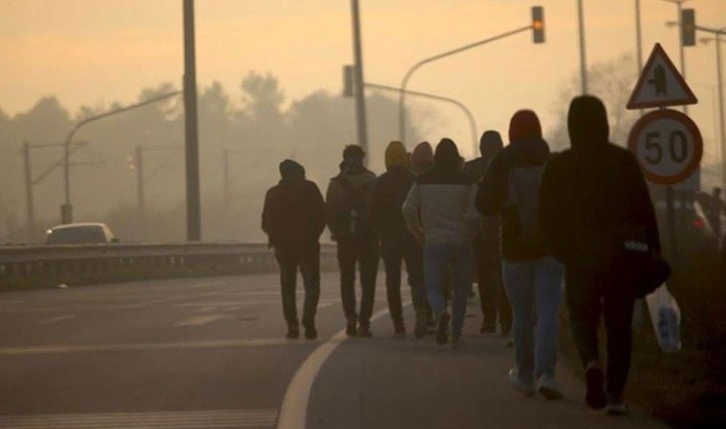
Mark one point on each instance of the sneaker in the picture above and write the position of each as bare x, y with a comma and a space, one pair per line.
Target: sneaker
293, 333
350, 328
616, 407
520, 386
594, 394
548, 387
487, 328
457, 342
442, 330
311, 333
364, 331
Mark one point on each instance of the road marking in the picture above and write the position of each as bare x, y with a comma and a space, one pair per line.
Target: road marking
294, 409
253, 418
52, 320
203, 320
207, 344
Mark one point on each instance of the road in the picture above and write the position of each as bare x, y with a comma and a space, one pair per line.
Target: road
211, 353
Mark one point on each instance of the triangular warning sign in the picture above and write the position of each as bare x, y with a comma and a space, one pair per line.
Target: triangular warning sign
660, 84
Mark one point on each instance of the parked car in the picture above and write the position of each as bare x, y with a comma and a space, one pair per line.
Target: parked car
80, 233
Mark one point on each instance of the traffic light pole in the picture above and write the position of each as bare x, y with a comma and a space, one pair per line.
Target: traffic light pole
194, 221
30, 222
360, 101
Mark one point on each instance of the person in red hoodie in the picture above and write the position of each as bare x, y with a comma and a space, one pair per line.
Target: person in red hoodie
293, 218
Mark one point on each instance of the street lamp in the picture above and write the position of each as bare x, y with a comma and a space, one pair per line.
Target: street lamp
537, 24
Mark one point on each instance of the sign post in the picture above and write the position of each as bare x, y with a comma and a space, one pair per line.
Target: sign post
667, 143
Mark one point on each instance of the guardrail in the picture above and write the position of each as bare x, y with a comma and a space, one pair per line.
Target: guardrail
44, 266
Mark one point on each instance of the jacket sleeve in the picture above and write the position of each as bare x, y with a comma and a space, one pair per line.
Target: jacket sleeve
640, 202
318, 209
267, 225
493, 192
472, 215
411, 209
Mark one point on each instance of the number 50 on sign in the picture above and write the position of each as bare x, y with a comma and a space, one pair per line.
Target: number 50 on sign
668, 146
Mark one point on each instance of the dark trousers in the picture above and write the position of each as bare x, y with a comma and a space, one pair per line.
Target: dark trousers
588, 297
394, 253
366, 255
492, 297
307, 257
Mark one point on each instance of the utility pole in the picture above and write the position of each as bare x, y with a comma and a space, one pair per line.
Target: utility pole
225, 160
30, 223
140, 190
194, 221
360, 101
583, 60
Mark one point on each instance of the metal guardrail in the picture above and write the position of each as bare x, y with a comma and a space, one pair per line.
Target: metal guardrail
42, 266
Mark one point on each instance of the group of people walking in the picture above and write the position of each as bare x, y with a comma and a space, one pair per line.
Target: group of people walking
519, 218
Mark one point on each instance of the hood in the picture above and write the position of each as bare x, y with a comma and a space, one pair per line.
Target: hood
524, 125
587, 122
396, 155
490, 144
529, 152
447, 154
291, 171
422, 154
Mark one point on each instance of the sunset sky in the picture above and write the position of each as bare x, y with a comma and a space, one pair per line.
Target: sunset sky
91, 52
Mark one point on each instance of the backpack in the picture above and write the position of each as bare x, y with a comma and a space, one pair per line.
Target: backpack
353, 222
524, 186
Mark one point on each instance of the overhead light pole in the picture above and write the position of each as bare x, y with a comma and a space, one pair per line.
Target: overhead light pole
360, 100
194, 216
583, 60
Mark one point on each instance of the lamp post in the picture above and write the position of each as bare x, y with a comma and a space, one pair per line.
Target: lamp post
412, 69
583, 60
360, 100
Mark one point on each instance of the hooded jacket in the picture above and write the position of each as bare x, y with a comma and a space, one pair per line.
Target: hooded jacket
353, 175
440, 204
389, 193
294, 211
592, 188
422, 157
527, 149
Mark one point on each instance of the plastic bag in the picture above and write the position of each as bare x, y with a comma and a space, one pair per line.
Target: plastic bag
666, 318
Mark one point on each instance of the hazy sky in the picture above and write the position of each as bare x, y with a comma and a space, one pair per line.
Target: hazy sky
99, 51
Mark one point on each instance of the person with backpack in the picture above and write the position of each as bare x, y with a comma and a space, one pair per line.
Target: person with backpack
532, 277
397, 243
439, 211
589, 193
293, 218
348, 216
487, 254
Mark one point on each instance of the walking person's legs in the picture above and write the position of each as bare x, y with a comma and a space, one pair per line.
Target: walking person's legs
310, 270
548, 292
519, 283
346, 263
436, 269
462, 278
368, 256
287, 260
487, 298
392, 253
618, 312
413, 256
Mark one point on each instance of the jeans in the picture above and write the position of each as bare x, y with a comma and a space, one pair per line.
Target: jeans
394, 253
307, 257
366, 254
438, 257
492, 296
588, 297
534, 288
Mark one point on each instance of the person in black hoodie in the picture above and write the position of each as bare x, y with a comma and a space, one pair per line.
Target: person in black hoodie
293, 217
348, 217
397, 243
588, 192
532, 277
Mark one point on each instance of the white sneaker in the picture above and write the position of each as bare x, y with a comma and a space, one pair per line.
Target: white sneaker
519, 385
548, 387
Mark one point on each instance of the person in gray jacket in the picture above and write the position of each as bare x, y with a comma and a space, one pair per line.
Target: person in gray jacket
439, 211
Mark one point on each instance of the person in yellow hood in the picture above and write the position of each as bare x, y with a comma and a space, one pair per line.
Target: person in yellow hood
397, 243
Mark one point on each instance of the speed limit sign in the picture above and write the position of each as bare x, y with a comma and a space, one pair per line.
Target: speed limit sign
668, 146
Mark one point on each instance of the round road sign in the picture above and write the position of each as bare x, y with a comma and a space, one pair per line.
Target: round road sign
668, 146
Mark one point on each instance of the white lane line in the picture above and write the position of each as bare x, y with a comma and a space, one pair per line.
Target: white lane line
52, 320
250, 418
203, 320
207, 344
294, 409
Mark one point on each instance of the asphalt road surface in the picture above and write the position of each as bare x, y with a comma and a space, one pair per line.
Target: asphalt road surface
211, 353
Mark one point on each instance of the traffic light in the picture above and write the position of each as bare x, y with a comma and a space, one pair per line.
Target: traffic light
538, 25
688, 27
348, 81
